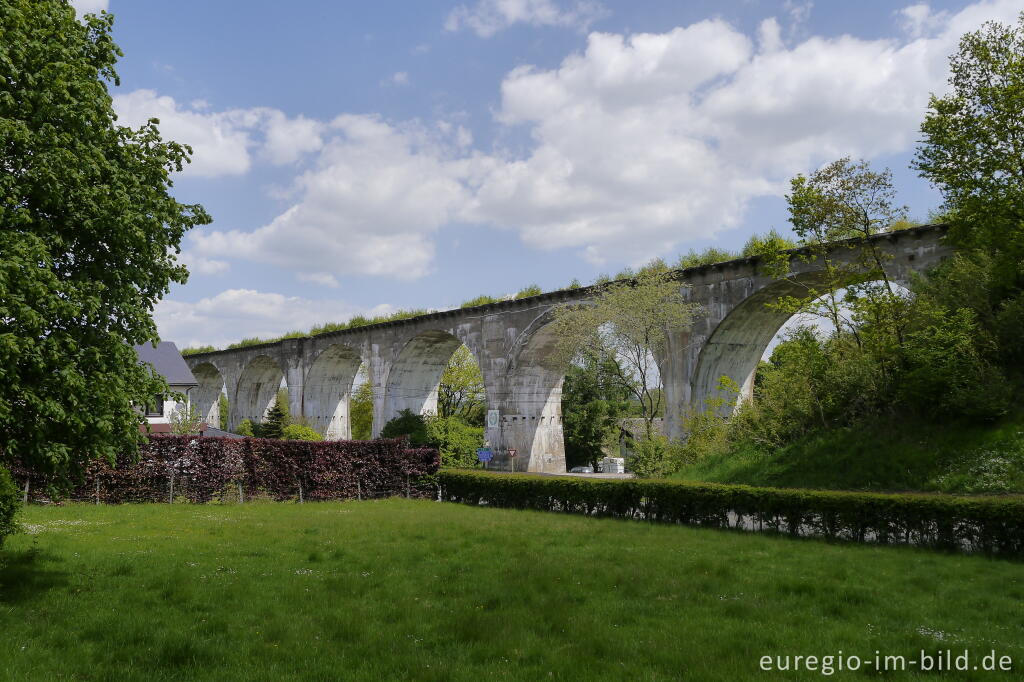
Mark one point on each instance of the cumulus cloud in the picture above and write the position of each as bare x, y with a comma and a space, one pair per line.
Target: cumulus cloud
223, 142
202, 265
639, 144
488, 17
645, 141
90, 6
242, 313
370, 204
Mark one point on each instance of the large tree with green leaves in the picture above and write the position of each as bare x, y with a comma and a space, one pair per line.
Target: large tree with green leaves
88, 236
845, 200
593, 401
460, 392
973, 146
628, 322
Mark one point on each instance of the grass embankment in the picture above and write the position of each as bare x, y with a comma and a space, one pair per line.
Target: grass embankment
886, 455
418, 590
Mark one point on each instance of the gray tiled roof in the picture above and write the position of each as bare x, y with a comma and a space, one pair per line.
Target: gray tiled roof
210, 431
167, 360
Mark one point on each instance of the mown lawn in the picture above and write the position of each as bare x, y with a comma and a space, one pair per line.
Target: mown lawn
418, 590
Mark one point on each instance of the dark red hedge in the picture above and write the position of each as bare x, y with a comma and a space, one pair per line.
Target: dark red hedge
199, 468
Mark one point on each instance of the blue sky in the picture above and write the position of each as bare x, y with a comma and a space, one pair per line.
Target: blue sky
365, 157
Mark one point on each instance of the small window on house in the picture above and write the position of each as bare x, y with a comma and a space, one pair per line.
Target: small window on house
156, 409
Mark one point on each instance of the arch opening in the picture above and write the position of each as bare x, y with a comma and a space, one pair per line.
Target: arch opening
749, 333
328, 390
361, 405
257, 389
415, 376
206, 398
437, 375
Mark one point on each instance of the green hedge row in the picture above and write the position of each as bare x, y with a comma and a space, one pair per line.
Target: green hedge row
993, 525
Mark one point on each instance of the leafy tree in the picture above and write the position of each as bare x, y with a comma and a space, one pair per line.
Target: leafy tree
592, 404
846, 200
461, 390
9, 503
973, 146
455, 440
185, 421
361, 410
245, 428
90, 233
628, 322
223, 411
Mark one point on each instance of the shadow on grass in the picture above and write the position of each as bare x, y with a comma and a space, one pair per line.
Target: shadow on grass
25, 575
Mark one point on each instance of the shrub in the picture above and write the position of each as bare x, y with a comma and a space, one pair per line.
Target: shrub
198, 469
456, 440
656, 456
300, 432
245, 428
412, 426
8, 504
992, 525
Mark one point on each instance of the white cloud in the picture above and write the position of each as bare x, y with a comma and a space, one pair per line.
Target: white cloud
919, 19
90, 6
369, 206
241, 313
288, 139
488, 17
640, 144
324, 279
646, 141
202, 265
222, 142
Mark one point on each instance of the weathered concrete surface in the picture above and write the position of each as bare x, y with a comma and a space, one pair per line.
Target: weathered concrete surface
513, 343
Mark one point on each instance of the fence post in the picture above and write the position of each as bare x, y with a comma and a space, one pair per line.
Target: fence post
241, 499
97, 488
359, 490
407, 491
170, 495
24, 499
300, 492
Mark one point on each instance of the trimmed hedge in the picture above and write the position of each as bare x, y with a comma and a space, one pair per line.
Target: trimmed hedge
8, 505
994, 525
199, 469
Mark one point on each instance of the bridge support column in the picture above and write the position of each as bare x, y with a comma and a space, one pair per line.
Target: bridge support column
530, 422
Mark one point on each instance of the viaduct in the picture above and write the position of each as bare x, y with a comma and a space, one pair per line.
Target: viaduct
513, 341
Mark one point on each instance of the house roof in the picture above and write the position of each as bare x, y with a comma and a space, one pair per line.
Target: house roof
210, 431
167, 360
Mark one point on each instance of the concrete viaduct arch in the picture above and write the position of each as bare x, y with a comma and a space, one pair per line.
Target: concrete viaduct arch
512, 342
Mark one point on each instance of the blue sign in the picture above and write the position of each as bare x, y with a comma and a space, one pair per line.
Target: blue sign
484, 454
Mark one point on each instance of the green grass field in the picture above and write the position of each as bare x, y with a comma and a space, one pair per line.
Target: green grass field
416, 590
